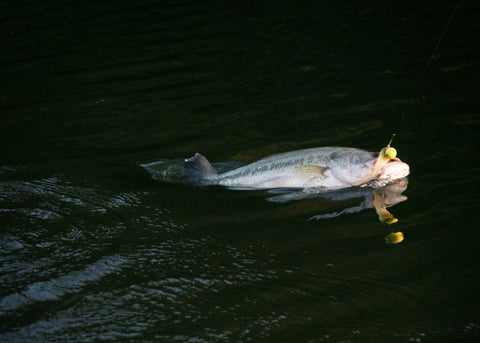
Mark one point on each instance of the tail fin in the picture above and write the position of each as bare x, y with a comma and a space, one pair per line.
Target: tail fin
197, 169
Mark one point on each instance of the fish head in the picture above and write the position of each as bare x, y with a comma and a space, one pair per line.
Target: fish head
353, 166
387, 167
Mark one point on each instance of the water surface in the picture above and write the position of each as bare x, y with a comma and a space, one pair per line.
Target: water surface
94, 249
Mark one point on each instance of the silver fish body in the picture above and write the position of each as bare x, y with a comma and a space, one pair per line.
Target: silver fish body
329, 167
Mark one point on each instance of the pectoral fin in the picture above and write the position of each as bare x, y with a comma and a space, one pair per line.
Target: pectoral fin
311, 171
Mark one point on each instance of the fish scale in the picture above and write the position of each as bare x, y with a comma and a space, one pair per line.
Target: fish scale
328, 167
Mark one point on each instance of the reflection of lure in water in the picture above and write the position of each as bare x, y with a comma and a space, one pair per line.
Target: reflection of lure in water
328, 168
394, 238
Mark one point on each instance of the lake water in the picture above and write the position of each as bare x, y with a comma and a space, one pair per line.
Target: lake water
92, 248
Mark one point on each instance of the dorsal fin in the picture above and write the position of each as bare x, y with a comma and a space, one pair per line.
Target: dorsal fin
197, 168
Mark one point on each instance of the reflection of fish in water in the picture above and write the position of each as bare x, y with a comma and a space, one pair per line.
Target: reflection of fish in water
378, 198
328, 168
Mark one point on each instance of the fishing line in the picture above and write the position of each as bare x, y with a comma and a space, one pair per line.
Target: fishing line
435, 50
439, 41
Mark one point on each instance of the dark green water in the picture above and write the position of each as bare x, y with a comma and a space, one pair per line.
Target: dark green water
93, 249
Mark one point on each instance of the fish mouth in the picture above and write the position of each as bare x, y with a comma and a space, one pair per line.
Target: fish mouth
395, 169
390, 169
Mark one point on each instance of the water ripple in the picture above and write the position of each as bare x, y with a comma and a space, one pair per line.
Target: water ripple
59, 198
55, 289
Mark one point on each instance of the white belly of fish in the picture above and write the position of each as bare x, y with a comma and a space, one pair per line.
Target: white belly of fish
287, 178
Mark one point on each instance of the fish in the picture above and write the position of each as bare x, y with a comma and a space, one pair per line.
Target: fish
326, 168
